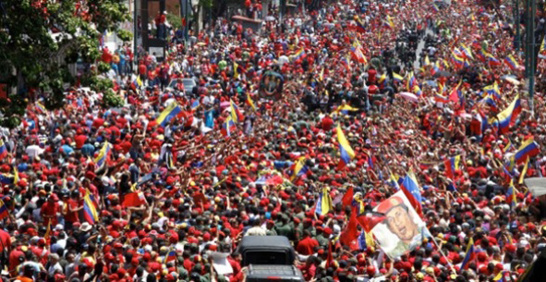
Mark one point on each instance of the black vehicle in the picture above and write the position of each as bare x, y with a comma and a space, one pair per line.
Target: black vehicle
270, 250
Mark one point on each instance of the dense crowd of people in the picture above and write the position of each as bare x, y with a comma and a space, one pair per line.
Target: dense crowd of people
148, 191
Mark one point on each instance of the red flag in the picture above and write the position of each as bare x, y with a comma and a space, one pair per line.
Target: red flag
330, 257
350, 233
369, 221
183, 20
347, 199
134, 199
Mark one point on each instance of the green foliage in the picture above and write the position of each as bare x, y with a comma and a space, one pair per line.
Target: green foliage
174, 20
102, 84
124, 35
103, 67
40, 38
111, 99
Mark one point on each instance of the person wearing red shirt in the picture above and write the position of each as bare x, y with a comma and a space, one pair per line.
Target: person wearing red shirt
72, 209
80, 139
307, 245
49, 210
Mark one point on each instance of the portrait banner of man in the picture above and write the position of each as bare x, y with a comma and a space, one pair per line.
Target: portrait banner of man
401, 229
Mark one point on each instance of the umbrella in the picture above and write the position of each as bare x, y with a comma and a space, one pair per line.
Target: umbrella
409, 96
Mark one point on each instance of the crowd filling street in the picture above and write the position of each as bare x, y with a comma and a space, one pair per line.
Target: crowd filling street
388, 140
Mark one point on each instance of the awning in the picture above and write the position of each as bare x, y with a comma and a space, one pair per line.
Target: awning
537, 185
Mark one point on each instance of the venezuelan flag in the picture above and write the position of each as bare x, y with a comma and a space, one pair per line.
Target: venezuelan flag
345, 150
359, 25
41, 108
235, 114
493, 89
482, 55
466, 51
195, 104
172, 110
435, 68
324, 202
458, 61
469, 253
356, 49
523, 172
3, 149
299, 54
299, 168
382, 81
89, 208
509, 115
511, 194
528, 149
227, 127
412, 81
171, 255
388, 23
344, 109
104, 154
250, 102
492, 61
410, 186
396, 77
511, 62
138, 81
452, 164
435, 7
508, 146
427, 61
4, 212
346, 62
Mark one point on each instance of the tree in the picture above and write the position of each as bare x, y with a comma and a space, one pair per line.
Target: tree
40, 38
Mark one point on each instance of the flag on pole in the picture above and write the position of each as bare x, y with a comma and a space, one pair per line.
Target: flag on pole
345, 150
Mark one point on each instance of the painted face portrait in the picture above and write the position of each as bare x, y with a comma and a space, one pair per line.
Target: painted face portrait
400, 223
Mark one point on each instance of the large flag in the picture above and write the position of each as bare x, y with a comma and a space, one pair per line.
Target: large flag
102, 157
402, 229
345, 150
4, 212
509, 115
171, 111
133, 199
528, 149
90, 213
410, 187
348, 196
324, 202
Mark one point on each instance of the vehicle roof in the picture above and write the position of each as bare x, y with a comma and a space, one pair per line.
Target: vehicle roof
265, 241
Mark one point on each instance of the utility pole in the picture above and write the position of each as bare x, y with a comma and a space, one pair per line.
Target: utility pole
515, 8
530, 10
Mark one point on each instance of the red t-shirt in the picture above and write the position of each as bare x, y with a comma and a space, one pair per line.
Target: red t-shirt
71, 216
80, 140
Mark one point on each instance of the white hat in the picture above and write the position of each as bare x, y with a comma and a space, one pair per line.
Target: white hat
85, 227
